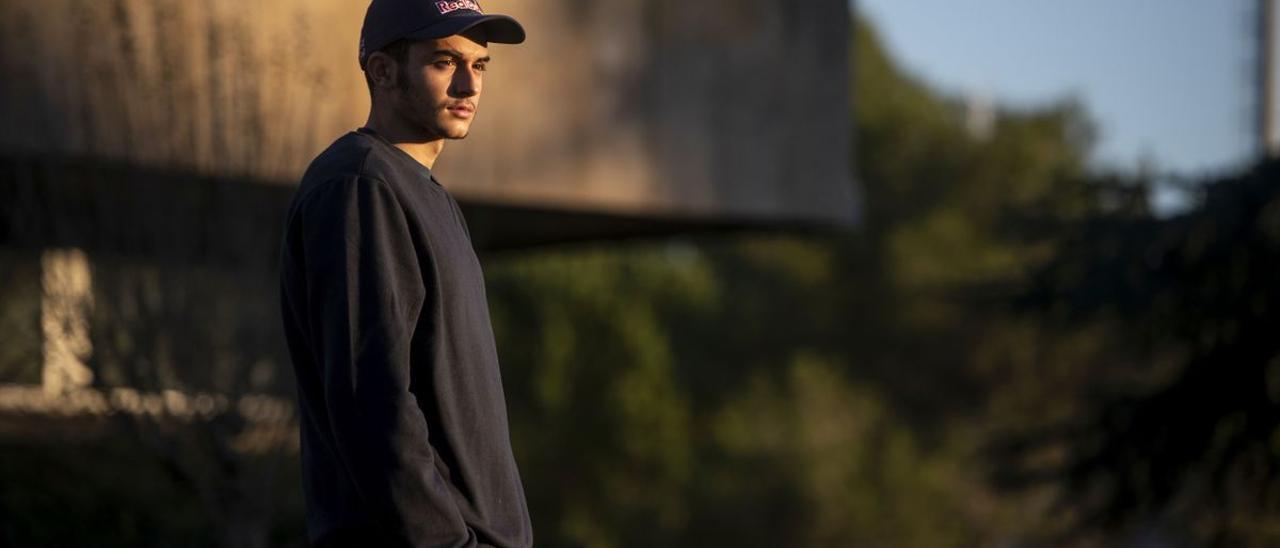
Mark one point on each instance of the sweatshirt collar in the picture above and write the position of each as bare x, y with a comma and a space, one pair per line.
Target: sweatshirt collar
400, 153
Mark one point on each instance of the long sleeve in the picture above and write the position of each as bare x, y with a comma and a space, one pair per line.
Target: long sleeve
364, 293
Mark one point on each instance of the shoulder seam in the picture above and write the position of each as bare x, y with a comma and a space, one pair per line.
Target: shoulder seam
341, 176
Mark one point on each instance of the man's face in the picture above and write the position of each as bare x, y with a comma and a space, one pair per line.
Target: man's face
438, 86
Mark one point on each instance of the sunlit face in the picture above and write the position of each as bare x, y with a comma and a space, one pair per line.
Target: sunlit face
438, 89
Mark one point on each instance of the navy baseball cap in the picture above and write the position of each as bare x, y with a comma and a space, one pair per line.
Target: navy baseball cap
391, 20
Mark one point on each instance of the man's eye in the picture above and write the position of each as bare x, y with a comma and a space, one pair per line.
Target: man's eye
444, 63
481, 67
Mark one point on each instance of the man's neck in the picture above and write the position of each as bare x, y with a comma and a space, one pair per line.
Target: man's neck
424, 149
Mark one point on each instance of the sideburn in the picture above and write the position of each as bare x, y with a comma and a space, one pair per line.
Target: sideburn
402, 74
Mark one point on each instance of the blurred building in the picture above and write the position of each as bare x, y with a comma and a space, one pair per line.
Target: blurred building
148, 149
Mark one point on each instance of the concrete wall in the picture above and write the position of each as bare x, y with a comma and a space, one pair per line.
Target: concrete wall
718, 109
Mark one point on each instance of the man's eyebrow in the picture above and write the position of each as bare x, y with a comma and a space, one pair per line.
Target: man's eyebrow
456, 55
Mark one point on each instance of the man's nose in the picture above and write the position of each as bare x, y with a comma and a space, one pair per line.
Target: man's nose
466, 82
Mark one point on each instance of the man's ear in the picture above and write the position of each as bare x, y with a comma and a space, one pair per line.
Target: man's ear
382, 70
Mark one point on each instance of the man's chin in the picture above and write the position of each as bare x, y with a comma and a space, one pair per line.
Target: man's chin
454, 129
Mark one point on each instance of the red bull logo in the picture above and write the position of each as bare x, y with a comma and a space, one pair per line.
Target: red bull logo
448, 6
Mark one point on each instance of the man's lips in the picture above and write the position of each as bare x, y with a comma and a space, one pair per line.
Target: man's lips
462, 110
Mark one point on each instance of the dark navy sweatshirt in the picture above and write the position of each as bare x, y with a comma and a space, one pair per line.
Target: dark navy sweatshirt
403, 421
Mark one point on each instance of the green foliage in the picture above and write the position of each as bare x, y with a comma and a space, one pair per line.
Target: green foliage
1187, 436
658, 411
602, 427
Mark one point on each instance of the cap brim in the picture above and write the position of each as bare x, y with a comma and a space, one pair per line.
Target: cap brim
500, 29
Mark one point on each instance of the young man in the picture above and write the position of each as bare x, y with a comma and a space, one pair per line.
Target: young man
404, 425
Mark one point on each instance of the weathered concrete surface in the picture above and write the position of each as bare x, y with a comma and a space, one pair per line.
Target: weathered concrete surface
711, 110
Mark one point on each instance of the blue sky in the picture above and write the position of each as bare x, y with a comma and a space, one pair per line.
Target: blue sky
1166, 80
